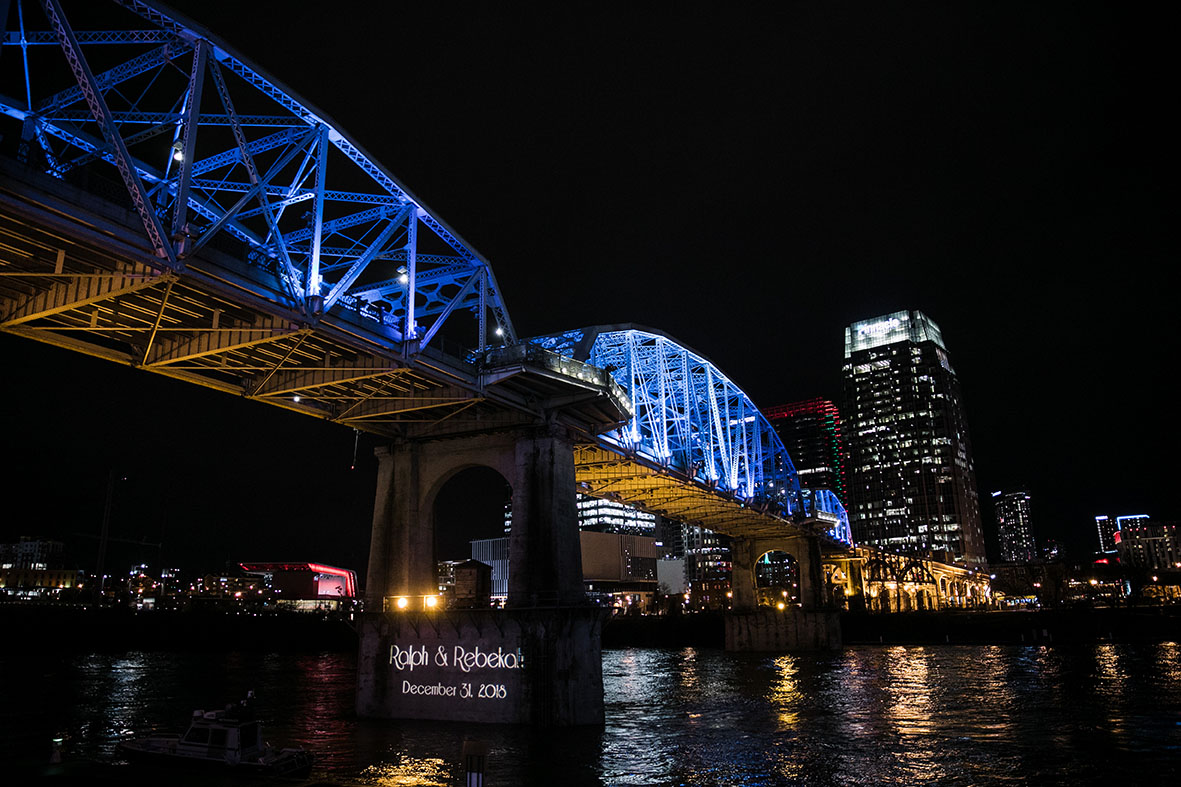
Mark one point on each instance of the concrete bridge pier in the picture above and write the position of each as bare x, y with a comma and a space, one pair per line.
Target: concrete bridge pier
814, 625
538, 661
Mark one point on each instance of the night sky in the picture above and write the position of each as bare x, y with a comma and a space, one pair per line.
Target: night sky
749, 182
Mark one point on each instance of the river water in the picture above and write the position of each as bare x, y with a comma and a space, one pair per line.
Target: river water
945, 715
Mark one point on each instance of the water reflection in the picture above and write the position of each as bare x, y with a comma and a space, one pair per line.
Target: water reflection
889, 716
785, 693
410, 772
910, 688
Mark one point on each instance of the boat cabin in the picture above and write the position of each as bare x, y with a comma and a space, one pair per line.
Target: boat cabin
222, 735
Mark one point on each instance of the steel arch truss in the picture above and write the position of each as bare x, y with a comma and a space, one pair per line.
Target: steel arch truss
213, 152
693, 420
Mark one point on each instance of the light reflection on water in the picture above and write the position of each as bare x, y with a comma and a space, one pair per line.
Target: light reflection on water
947, 715
410, 772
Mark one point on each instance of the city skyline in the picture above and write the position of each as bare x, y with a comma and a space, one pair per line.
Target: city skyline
750, 185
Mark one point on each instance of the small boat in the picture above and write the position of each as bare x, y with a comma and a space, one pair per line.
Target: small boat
230, 738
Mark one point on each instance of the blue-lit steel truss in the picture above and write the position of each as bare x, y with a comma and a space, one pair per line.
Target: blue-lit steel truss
691, 418
216, 159
213, 152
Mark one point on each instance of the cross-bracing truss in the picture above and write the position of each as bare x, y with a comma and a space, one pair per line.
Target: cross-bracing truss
691, 418
213, 152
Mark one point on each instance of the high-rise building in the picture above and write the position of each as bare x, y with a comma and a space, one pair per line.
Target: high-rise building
1129, 520
707, 555
1013, 526
1106, 525
1148, 545
811, 433
1109, 528
912, 481
31, 553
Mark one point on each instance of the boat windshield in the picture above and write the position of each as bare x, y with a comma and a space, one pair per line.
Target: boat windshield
197, 735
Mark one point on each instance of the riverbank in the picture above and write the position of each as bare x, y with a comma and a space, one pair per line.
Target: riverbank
83, 629
1015, 627
117, 629
956, 627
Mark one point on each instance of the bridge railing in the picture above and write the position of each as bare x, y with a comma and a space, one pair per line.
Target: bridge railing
539, 357
825, 506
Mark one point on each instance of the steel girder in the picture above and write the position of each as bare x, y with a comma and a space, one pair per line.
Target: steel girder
692, 420
636, 480
78, 282
208, 147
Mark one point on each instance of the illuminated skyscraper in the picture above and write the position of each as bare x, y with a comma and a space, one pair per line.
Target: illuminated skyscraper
1106, 525
912, 482
811, 433
1013, 526
1109, 528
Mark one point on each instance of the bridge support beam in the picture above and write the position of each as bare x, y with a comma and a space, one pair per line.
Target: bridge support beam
539, 660
814, 625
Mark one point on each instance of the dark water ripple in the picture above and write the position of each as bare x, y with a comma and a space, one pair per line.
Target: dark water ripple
945, 715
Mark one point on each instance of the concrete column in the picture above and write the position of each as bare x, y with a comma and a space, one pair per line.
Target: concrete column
545, 552
743, 554
401, 551
806, 551
379, 536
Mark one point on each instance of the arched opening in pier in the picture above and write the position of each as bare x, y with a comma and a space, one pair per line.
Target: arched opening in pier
777, 579
472, 505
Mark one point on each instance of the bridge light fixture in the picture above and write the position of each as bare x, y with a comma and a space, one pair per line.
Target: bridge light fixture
295, 399
402, 602
431, 601
178, 151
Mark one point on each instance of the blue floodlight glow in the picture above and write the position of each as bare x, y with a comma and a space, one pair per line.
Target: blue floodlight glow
691, 418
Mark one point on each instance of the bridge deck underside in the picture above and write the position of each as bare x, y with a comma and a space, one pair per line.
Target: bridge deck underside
601, 472
82, 280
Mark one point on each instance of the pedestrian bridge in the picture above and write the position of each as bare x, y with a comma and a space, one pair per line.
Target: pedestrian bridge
168, 206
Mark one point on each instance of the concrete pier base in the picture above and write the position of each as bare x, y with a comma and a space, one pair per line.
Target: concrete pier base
517, 666
783, 630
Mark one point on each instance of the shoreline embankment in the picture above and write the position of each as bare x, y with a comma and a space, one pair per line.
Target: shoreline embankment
36, 626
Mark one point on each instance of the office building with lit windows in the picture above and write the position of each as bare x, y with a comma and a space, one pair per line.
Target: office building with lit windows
707, 555
599, 515
1013, 526
1148, 545
1107, 526
912, 481
811, 433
